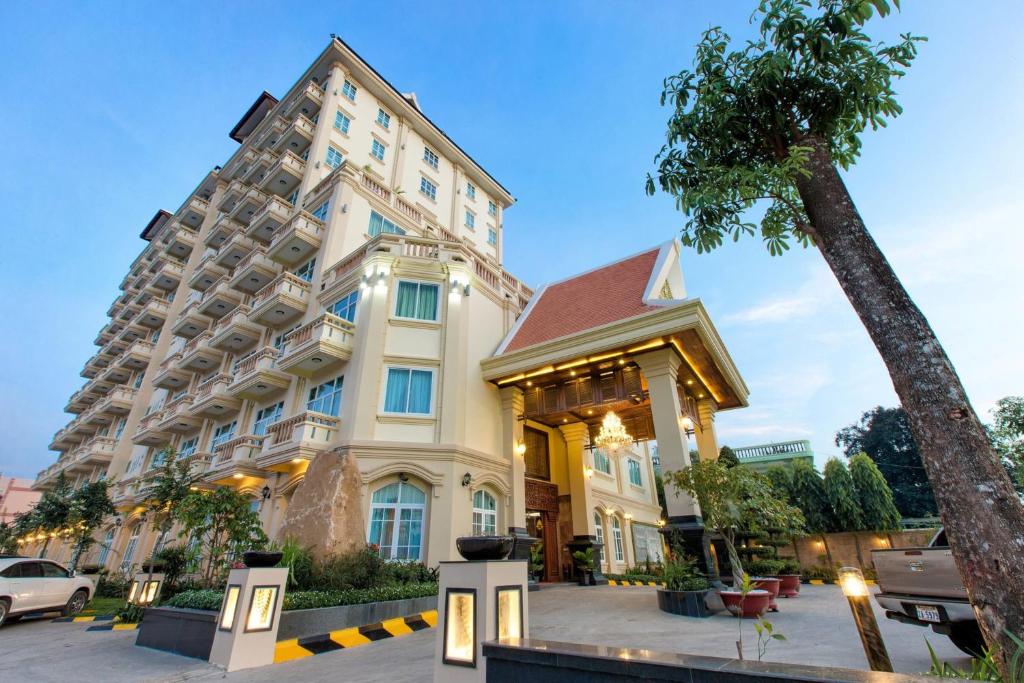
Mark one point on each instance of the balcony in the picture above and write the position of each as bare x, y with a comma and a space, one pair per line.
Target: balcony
269, 218
281, 301
240, 165
219, 300
79, 402
190, 321
232, 193
149, 432
137, 356
181, 242
154, 313
248, 205
296, 240
193, 213
257, 376
118, 402
133, 331
221, 231
319, 344
115, 375
97, 388
236, 459
212, 398
129, 310
99, 450
299, 437
169, 274
255, 271
234, 333
285, 175
207, 272
199, 356
80, 429
171, 375
107, 333
296, 137
255, 174
234, 250
177, 416
95, 418
308, 102
63, 440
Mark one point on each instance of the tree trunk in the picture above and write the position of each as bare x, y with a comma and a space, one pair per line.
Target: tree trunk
983, 517
828, 552
860, 555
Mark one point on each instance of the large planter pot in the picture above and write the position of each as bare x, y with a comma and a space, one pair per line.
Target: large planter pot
683, 603
484, 547
261, 558
789, 585
187, 632
752, 605
770, 584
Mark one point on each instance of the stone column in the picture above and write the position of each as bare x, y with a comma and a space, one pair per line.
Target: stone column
707, 439
454, 367
512, 408
316, 169
576, 435
660, 369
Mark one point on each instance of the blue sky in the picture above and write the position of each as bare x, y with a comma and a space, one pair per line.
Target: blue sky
112, 110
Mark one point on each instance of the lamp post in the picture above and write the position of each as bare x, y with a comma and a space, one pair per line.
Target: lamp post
856, 592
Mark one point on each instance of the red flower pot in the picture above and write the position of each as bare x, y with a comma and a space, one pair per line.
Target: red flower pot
753, 605
770, 584
789, 585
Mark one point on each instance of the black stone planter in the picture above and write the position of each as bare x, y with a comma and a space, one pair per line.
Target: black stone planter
484, 547
683, 603
260, 558
586, 578
187, 632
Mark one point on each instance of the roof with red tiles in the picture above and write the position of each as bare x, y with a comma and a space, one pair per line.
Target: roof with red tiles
595, 298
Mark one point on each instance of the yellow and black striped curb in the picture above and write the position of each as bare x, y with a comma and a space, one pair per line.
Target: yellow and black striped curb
113, 626
618, 582
64, 620
297, 648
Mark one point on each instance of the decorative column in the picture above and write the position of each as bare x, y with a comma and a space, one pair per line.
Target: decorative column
322, 133
661, 369
576, 435
707, 439
514, 450
454, 366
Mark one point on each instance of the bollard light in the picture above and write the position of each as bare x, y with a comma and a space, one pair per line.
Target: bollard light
856, 591
460, 627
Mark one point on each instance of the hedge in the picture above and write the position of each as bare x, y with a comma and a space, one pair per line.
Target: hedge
635, 577
211, 599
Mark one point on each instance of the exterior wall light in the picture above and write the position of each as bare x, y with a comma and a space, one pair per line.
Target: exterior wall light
226, 622
460, 627
687, 424
509, 612
520, 448
857, 594
466, 479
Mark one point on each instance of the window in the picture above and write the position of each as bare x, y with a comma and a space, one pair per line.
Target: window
341, 122
52, 571
470, 191
492, 237
334, 157
155, 337
470, 220
416, 300
379, 224
428, 188
408, 391
326, 398
492, 209
431, 158
119, 430
306, 270
320, 212
129, 550
377, 150
223, 434
345, 307
617, 538
138, 379
634, 472
108, 540
396, 521
601, 461
279, 339
538, 465
158, 460
188, 448
267, 417
599, 533
349, 90
383, 118
485, 514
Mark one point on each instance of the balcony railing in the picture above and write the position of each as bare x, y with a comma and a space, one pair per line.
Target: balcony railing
307, 427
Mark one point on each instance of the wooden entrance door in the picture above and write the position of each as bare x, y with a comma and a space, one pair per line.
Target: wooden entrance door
542, 506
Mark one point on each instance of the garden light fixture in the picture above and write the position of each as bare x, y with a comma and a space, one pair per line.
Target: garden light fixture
857, 594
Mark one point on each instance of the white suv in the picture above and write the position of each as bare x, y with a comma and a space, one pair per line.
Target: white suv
34, 585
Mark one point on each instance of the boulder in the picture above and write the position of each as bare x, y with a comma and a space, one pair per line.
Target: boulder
325, 512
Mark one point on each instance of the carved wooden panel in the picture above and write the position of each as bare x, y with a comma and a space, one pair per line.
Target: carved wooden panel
541, 496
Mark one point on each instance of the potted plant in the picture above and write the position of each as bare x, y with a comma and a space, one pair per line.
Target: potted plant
585, 566
765, 577
789, 578
685, 591
537, 561
746, 601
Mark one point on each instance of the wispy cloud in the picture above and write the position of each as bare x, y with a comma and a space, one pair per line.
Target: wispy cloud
818, 291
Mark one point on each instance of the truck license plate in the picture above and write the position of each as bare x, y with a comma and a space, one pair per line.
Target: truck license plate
928, 613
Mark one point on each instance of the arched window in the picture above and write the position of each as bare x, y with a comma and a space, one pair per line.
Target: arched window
129, 550
599, 532
108, 540
396, 521
485, 514
617, 538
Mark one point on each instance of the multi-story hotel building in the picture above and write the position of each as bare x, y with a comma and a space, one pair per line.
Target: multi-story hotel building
334, 295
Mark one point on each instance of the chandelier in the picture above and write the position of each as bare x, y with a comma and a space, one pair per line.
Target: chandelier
613, 435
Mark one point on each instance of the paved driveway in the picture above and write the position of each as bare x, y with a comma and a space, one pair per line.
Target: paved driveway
818, 627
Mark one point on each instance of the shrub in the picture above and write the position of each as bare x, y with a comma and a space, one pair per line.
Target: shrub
790, 566
211, 599
820, 572
299, 561
130, 614
631, 576
113, 586
694, 583
680, 571
765, 567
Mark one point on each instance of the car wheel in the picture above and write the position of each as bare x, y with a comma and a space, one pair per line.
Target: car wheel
76, 604
4, 607
967, 636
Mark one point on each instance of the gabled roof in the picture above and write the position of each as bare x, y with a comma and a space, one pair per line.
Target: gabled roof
617, 291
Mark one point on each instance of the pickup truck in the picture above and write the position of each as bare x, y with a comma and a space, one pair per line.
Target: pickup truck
922, 586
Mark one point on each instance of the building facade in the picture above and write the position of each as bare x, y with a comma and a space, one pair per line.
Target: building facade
16, 496
336, 290
776, 454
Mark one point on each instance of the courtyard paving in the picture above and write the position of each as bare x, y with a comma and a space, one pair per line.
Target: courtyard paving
817, 625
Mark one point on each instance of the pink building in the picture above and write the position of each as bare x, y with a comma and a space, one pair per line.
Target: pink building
16, 496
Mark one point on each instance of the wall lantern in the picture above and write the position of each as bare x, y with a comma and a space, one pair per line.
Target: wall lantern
520, 448
856, 591
466, 479
460, 627
687, 424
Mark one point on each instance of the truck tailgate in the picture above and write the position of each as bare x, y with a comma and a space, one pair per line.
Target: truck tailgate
919, 571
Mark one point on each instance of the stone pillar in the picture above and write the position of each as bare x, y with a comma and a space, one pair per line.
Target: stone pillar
315, 164
454, 367
576, 435
513, 448
660, 369
707, 439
